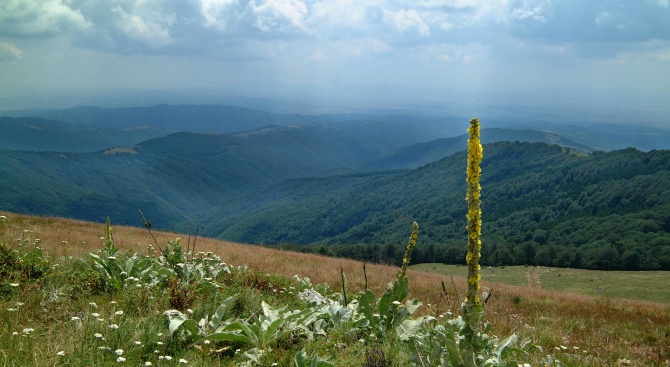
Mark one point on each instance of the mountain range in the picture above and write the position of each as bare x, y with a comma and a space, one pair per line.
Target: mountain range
341, 180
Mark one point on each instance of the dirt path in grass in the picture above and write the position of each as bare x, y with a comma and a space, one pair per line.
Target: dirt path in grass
533, 278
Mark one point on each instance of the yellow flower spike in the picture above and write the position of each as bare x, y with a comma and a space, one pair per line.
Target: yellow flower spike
473, 171
408, 250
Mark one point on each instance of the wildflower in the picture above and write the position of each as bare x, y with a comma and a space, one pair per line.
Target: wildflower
113, 302
75, 318
118, 313
95, 314
28, 330
168, 358
120, 359
147, 363
11, 309
474, 214
159, 343
113, 326
159, 334
101, 320
14, 285
19, 304
206, 341
137, 342
61, 353
15, 333
182, 360
98, 335
92, 304
408, 250
119, 352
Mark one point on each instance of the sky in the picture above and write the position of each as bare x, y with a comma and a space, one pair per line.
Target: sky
605, 53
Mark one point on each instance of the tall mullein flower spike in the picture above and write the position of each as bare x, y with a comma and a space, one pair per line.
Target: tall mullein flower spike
409, 249
109, 239
474, 216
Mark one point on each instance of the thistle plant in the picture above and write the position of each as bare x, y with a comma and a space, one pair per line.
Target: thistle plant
474, 215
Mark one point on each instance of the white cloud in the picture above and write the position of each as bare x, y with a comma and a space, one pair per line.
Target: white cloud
279, 15
661, 3
9, 52
444, 4
406, 19
24, 17
134, 26
216, 12
537, 10
340, 17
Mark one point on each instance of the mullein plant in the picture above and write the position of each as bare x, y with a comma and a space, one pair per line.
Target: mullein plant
474, 216
465, 341
408, 250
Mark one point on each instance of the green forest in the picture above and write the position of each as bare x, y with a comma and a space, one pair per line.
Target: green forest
543, 205
349, 189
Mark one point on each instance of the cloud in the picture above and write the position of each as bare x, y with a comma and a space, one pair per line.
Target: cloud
9, 52
40, 17
661, 3
136, 27
217, 12
403, 20
279, 15
535, 10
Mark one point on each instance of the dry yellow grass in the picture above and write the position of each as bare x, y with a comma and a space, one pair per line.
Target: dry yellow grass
587, 331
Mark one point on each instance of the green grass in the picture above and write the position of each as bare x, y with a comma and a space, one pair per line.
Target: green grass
648, 286
49, 296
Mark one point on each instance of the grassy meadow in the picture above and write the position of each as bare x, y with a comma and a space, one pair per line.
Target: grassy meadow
65, 318
631, 285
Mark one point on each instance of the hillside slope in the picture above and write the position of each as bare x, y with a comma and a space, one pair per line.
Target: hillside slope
40, 135
183, 175
542, 204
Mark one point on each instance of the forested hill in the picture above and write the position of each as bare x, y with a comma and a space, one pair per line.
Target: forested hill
542, 204
415, 155
40, 135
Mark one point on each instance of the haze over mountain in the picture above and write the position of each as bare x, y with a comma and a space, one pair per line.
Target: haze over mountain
37, 134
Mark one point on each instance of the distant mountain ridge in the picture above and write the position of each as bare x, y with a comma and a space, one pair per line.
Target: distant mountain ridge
418, 154
335, 181
193, 118
41, 135
418, 128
